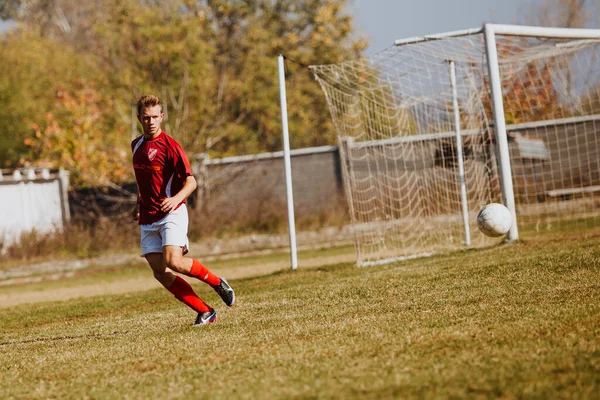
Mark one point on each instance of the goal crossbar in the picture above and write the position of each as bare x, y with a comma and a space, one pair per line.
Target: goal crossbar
513, 30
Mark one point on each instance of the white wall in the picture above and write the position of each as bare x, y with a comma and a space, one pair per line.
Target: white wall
30, 204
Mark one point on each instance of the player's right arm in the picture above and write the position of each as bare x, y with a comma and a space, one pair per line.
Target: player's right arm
135, 213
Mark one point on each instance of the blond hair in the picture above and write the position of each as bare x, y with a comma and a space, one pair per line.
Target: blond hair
148, 100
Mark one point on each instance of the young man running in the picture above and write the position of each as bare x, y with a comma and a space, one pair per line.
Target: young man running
164, 179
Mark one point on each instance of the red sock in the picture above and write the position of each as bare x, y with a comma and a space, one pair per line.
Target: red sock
201, 272
184, 293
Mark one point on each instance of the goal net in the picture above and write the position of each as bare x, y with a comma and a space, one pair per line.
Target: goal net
419, 143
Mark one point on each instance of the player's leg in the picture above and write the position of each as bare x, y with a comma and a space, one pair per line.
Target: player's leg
175, 260
173, 231
180, 289
151, 243
161, 273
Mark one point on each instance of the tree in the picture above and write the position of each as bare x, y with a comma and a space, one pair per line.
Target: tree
243, 116
528, 92
72, 136
212, 62
31, 70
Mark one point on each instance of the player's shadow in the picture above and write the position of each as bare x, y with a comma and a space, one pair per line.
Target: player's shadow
64, 337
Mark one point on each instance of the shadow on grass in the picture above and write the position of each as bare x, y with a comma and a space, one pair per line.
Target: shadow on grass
87, 336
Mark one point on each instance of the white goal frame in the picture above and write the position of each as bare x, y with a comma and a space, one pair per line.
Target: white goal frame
490, 31
494, 83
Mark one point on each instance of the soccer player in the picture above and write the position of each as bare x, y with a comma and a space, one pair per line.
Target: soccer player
164, 179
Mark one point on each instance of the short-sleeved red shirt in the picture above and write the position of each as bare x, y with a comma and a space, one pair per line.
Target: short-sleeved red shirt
161, 168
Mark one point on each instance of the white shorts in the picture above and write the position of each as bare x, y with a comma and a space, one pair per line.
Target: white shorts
169, 231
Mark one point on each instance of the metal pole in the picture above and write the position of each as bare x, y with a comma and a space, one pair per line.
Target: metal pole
459, 156
500, 128
287, 163
546, 32
514, 30
440, 36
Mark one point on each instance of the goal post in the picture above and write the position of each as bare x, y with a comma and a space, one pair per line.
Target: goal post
500, 127
459, 155
287, 164
435, 127
490, 32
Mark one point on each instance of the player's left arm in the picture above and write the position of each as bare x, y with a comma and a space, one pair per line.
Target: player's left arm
170, 203
182, 169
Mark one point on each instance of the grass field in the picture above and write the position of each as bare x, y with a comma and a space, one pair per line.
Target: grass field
511, 321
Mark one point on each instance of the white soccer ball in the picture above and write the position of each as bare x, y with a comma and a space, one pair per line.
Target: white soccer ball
494, 220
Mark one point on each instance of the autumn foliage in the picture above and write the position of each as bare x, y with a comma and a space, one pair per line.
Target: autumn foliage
73, 70
528, 91
71, 134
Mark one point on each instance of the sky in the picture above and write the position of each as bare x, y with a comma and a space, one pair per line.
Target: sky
383, 21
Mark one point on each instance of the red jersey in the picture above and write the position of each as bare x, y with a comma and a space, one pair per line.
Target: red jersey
161, 168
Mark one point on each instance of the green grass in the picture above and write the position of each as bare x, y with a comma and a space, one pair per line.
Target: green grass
512, 321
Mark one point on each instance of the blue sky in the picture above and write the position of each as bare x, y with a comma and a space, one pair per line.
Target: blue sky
383, 21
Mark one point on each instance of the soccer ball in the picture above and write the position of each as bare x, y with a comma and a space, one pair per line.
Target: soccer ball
494, 220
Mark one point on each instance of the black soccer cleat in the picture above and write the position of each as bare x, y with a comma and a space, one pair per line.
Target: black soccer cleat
226, 292
205, 318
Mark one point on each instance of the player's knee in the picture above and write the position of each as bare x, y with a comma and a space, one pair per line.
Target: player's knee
174, 264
